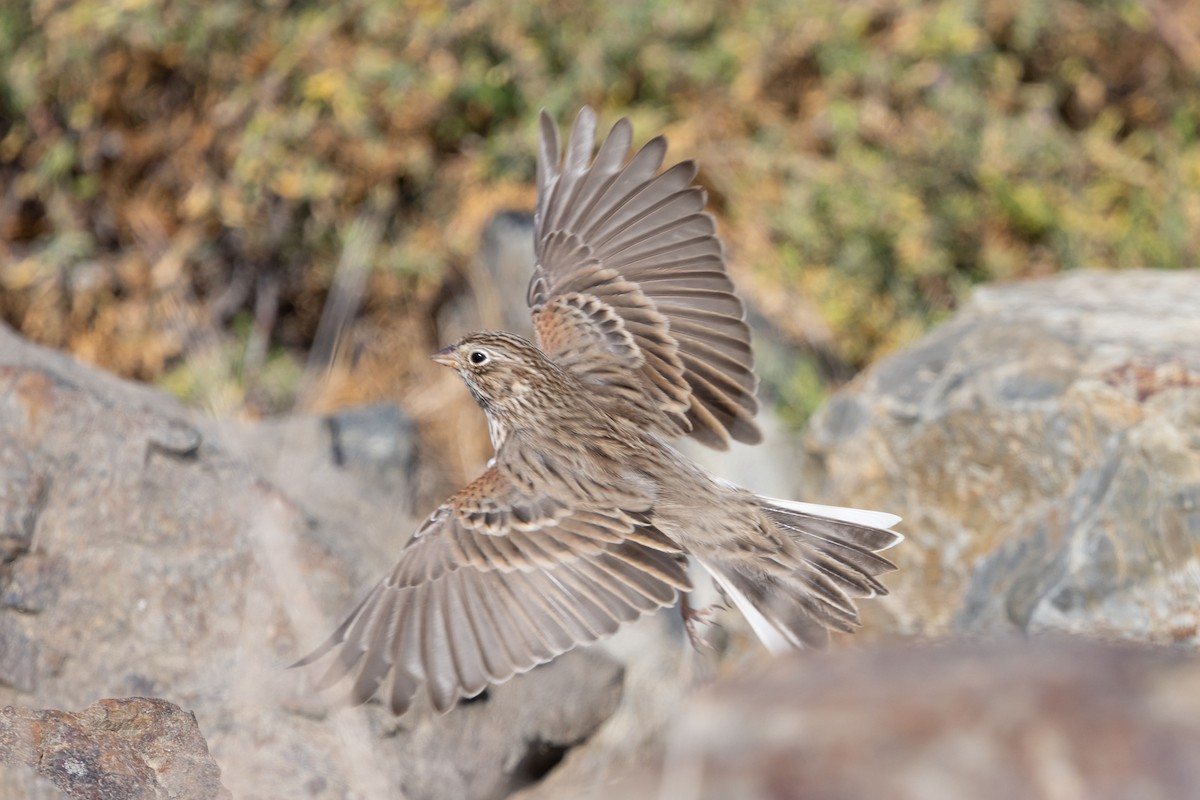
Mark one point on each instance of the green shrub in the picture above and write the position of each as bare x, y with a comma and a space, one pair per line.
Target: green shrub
874, 159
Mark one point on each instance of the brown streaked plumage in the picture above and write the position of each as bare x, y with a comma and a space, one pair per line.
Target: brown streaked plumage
583, 518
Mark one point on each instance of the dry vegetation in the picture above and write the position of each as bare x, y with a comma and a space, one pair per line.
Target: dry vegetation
179, 180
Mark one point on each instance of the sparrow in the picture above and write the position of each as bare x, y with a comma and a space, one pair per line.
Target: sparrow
585, 517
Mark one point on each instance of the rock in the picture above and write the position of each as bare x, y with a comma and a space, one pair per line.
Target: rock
131, 749
148, 550
1044, 450
493, 294
512, 739
20, 502
1043, 447
373, 441
1060, 720
354, 469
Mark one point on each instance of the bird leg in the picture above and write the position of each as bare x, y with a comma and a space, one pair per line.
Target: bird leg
693, 618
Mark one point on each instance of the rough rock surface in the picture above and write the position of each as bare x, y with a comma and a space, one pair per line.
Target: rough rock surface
1042, 720
133, 749
1044, 450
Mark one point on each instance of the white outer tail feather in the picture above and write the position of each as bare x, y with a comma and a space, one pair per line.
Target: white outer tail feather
774, 637
857, 516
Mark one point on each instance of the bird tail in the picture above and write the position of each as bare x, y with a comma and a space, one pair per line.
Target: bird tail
793, 600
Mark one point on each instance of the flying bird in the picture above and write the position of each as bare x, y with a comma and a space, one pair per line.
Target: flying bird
585, 516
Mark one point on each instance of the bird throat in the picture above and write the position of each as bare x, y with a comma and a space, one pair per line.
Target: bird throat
497, 430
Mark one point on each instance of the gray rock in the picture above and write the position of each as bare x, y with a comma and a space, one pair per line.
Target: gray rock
1044, 449
1061, 720
148, 550
492, 291
373, 441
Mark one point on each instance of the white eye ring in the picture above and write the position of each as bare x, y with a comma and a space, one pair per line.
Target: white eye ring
479, 358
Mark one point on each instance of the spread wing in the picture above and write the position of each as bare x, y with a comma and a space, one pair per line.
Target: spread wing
497, 580
630, 277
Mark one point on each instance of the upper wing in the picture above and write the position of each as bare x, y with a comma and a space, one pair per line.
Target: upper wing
637, 248
497, 580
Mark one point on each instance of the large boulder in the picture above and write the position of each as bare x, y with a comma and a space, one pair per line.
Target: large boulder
1044, 450
149, 551
1058, 720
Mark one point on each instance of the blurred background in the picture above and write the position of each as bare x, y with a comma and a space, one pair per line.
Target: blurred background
183, 185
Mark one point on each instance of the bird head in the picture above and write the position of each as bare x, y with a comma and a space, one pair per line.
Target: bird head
504, 372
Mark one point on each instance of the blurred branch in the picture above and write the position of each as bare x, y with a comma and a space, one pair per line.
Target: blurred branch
344, 300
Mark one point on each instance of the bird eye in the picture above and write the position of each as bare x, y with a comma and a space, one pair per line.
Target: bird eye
478, 357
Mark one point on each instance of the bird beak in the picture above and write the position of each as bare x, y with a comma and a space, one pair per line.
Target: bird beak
445, 357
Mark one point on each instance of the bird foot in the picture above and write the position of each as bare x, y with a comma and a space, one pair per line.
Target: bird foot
693, 621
